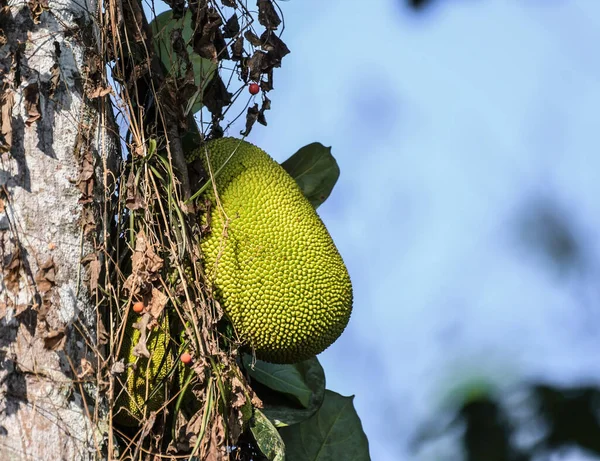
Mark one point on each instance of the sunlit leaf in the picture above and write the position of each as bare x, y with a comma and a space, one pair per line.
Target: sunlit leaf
267, 438
315, 171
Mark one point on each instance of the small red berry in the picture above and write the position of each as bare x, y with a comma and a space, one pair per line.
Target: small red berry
186, 358
254, 88
138, 307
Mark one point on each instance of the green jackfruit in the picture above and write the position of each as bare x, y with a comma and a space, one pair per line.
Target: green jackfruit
146, 378
275, 268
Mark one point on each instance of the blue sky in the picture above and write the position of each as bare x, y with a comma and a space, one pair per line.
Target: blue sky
445, 125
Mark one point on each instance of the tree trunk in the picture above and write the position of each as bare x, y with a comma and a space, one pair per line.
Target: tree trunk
53, 169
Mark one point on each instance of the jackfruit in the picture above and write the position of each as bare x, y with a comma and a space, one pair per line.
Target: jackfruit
276, 270
146, 379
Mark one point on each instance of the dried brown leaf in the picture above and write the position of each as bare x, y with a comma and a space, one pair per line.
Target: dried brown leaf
87, 220
267, 15
85, 180
102, 334
256, 401
37, 7
7, 100
141, 349
252, 38
133, 199
146, 266
237, 49
94, 269
236, 417
214, 449
32, 103
251, 117
100, 92
275, 47
87, 369
45, 277
216, 96
12, 271
232, 27
266, 105
157, 302
118, 367
55, 340
54, 80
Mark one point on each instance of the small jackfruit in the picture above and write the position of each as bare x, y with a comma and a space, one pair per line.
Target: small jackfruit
146, 379
276, 270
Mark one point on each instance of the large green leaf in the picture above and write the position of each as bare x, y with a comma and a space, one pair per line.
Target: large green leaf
267, 438
204, 69
288, 385
334, 433
287, 379
315, 171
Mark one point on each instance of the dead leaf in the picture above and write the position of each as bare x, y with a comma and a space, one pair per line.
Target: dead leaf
267, 16
37, 7
12, 271
102, 334
252, 38
93, 266
100, 92
146, 266
87, 369
266, 105
87, 220
133, 199
256, 401
214, 449
118, 367
141, 349
232, 27
55, 340
32, 103
275, 48
216, 96
237, 49
54, 80
85, 180
236, 417
157, 303
45, 277
251, 117
7, 100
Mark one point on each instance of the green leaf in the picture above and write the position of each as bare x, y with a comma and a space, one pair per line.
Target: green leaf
315, 171
204, 69
267, 438
302, 382
333, 433
287, 379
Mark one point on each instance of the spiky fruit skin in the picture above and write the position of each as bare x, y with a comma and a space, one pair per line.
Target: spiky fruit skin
145, 383
277, 272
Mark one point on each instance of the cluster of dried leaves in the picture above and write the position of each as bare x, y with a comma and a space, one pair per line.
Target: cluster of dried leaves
154, 256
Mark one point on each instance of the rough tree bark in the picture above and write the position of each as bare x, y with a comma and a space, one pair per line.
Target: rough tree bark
53, 167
